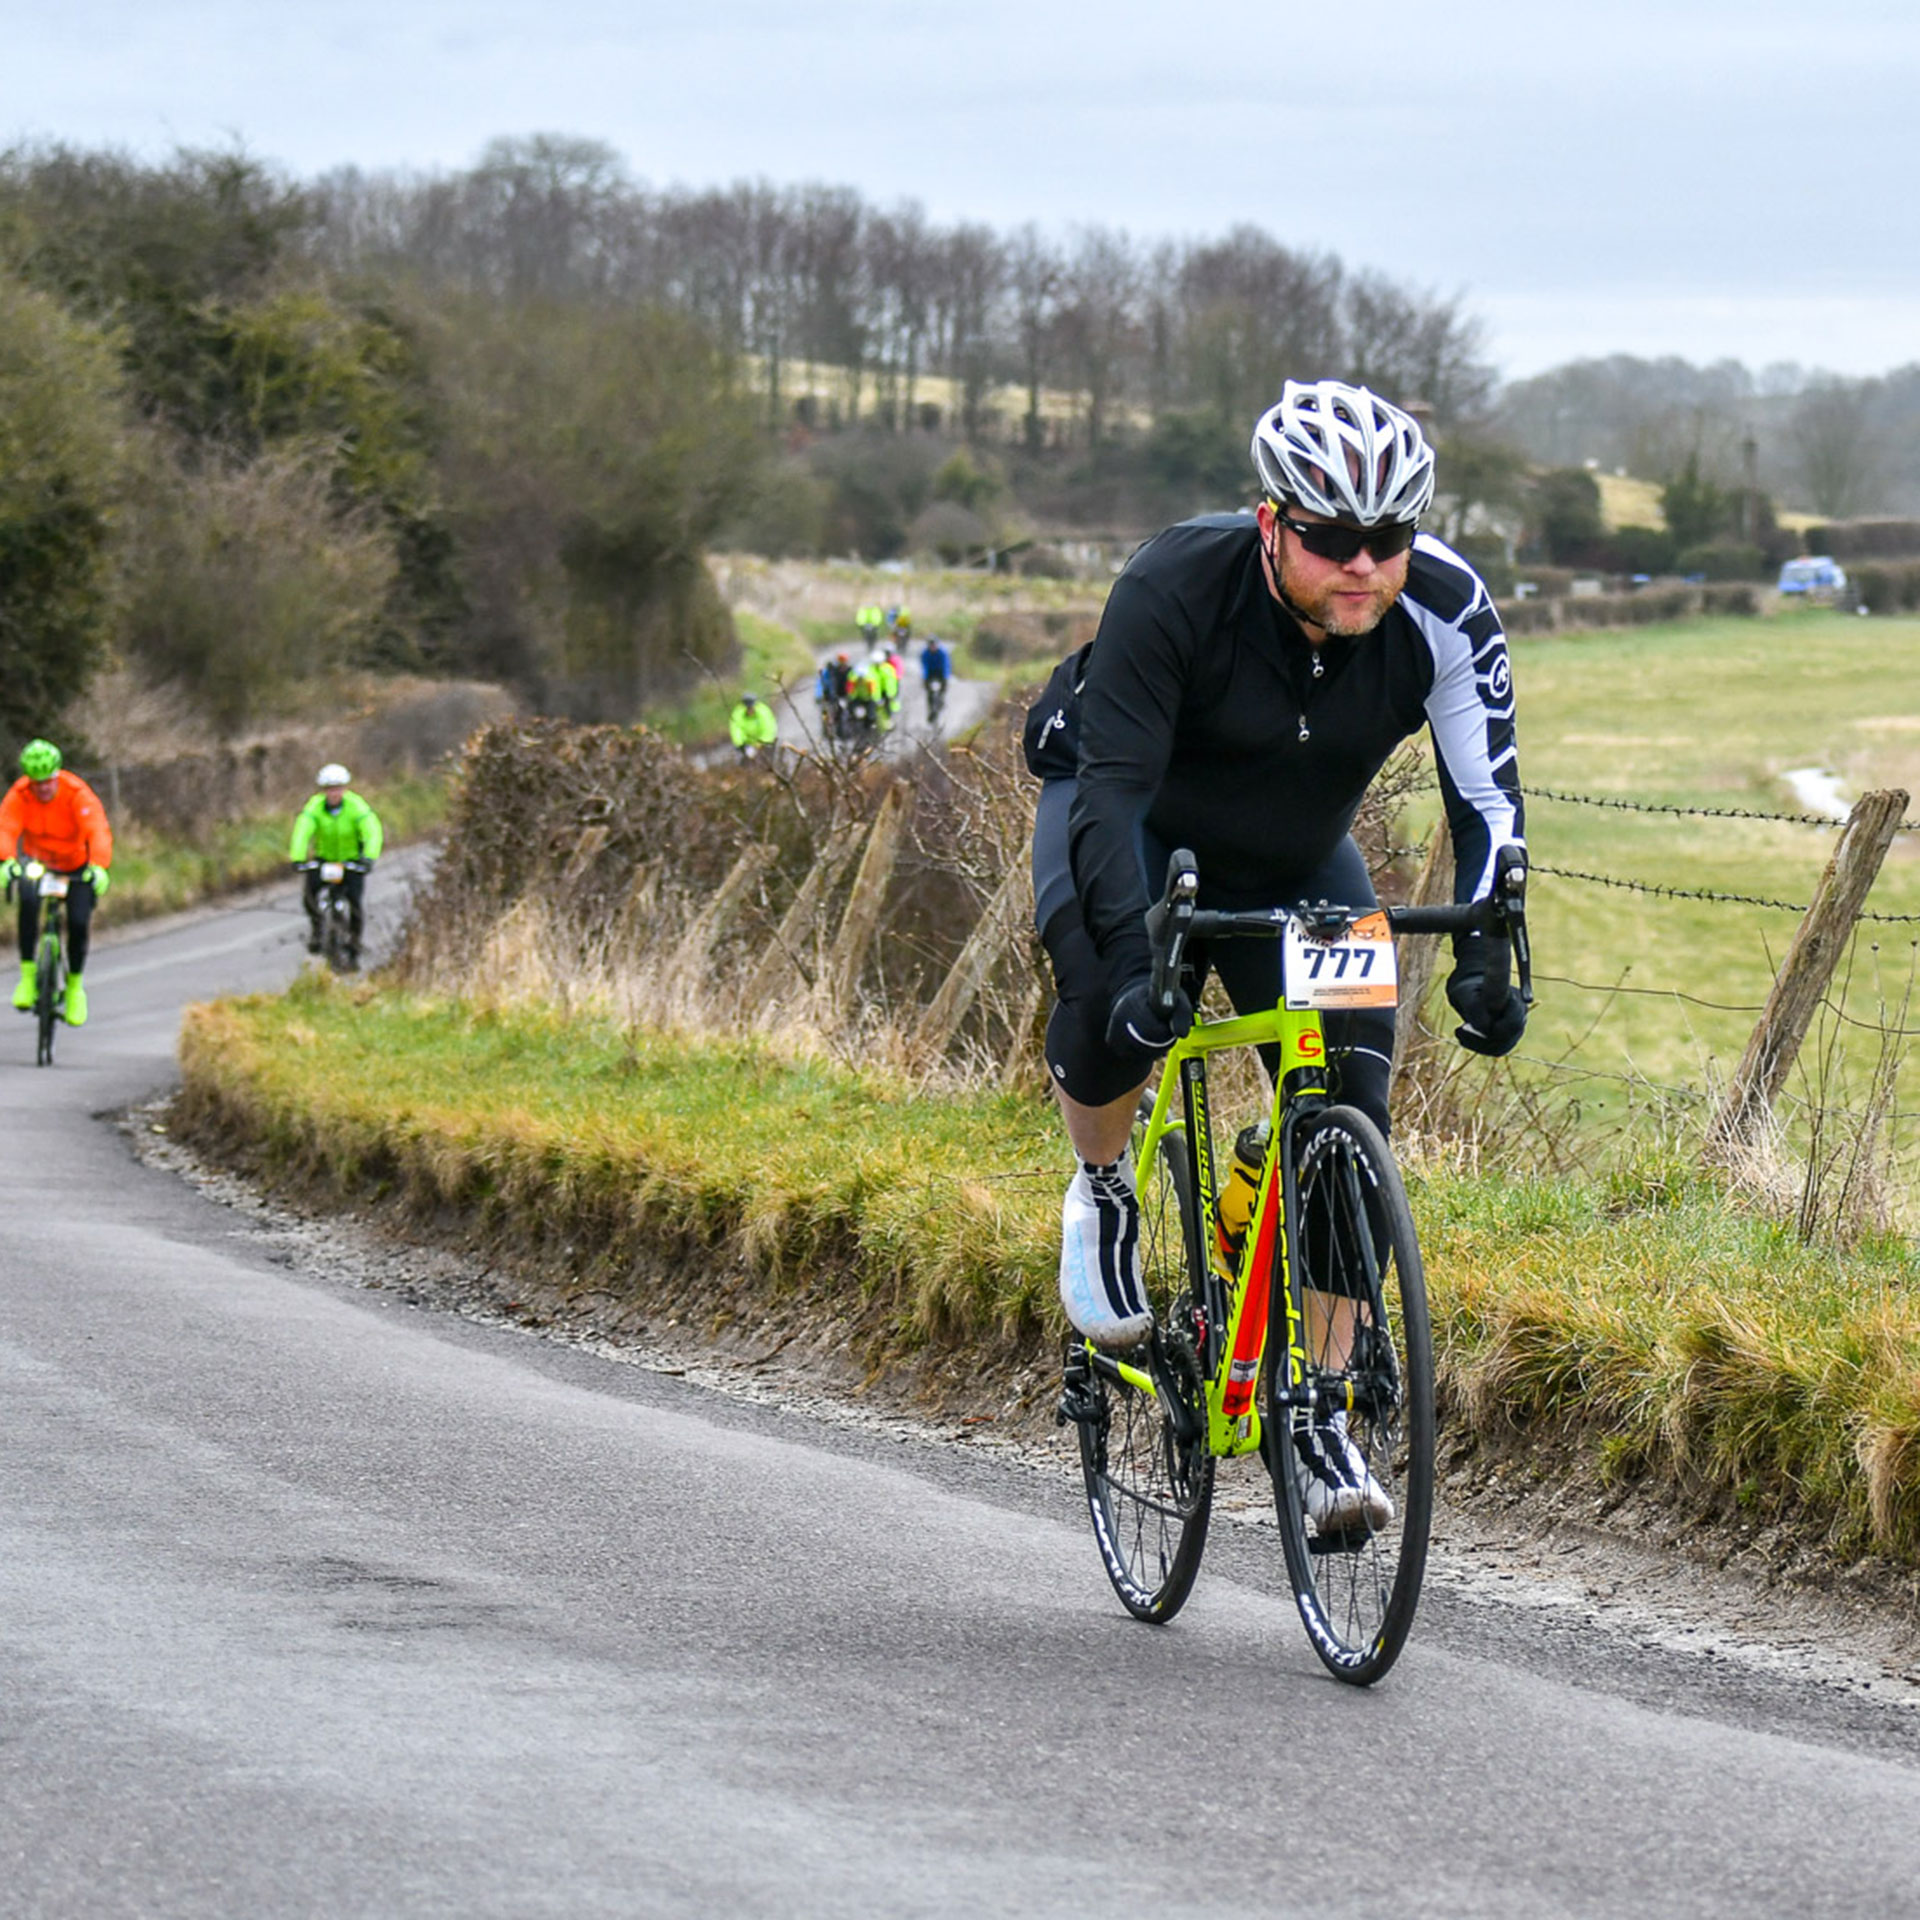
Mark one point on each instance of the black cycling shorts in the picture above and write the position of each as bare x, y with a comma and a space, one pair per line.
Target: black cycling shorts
1359, 1044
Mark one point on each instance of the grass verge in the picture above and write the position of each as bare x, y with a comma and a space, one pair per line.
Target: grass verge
161, 873
558, 1135
1643, 1325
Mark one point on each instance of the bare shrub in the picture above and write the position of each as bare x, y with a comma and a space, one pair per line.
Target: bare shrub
248, 579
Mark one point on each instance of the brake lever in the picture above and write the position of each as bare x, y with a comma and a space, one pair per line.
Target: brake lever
1510, 893
1168, 922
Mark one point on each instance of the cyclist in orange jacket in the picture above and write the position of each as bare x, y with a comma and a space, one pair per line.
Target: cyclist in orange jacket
54, 817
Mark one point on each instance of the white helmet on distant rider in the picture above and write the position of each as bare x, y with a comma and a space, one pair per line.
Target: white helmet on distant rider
1343, 452
333, 774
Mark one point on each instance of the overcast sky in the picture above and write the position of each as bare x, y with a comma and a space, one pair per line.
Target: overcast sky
1709, 178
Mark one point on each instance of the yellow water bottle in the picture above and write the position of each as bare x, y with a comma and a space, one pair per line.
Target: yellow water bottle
1235, 1207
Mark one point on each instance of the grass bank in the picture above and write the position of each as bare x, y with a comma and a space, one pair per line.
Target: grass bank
161, 873
1663, 1336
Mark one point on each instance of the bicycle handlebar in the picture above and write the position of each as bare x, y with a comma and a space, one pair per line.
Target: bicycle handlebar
1500, 914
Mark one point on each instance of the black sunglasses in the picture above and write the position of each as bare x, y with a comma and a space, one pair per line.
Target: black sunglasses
1329, 540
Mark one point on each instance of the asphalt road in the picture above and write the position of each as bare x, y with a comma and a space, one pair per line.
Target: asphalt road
315, 1603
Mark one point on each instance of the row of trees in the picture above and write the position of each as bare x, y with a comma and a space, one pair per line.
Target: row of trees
1838, 447
813, 275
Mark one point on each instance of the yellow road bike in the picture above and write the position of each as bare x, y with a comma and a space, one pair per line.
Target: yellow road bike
1329, 1262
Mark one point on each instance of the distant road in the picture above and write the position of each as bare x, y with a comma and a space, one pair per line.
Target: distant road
313, 1603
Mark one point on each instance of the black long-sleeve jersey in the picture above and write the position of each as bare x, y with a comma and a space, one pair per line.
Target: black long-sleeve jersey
1209, 720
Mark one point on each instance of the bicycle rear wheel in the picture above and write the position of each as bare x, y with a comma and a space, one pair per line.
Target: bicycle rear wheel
1149, 1476
46, 1000
1369, 1361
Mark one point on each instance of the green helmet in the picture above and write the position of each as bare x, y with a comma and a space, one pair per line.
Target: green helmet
39, 759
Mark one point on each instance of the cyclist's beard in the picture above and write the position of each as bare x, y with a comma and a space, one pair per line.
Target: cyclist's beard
1322, 607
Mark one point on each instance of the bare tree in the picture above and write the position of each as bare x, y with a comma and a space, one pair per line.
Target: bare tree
1253, 315
1034, 274
1842, 458
1409, 346
970, 274
1099, 319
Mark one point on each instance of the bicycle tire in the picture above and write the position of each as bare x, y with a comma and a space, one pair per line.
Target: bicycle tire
334, 941
1149, 1491
1357, 1589
46, 998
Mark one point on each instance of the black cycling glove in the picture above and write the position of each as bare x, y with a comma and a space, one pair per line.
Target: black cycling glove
1136, 1026
1488, 1025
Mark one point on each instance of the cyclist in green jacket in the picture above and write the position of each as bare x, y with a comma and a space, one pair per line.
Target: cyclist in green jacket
752, 725
336, 824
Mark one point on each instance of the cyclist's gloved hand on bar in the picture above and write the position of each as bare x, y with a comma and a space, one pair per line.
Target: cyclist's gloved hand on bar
1488, 1025
1137, 1026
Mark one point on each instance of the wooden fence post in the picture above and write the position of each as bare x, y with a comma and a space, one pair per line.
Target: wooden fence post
781, 964
1413, 1042
1818, 943
834, 990
942, 1016
691, 952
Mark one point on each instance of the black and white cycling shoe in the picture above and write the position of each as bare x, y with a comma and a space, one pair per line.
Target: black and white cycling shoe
1100, 1285
1335, 1486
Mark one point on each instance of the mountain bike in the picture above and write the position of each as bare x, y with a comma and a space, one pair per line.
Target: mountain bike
1329, 1264
50, 955
936, 701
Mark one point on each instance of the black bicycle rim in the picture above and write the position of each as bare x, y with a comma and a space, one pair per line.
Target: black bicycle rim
1356, 1579
1149, 1476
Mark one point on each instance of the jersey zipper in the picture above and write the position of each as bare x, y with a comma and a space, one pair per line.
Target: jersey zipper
1319, 669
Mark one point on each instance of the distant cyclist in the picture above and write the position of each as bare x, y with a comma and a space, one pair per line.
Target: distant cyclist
832, 695
54, 817
752, 726
886, 683
336, 824
936, 667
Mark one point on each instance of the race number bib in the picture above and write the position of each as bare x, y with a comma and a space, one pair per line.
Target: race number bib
1356, 970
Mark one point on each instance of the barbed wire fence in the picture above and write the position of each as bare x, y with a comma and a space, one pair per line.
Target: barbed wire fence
1810, 982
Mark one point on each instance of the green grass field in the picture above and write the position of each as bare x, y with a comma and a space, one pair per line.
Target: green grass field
1708, 714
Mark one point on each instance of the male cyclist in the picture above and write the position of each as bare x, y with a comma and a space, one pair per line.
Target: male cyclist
936, 665
54, 817
1250, 676
752, 725
336, 824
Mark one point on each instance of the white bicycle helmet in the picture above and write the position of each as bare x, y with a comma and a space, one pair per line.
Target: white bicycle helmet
1345, 453
333, 774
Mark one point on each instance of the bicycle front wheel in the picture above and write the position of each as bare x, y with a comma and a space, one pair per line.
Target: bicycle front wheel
335, 940
1143, 1450
1353, 1472
46, 999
